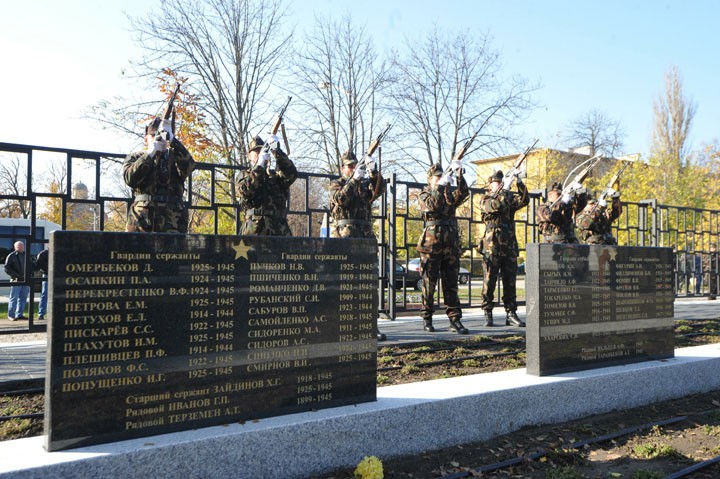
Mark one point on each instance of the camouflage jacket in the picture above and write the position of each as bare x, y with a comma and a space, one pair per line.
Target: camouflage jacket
556, 221
351, 205
265, 193
162, 176
595, 222
497, 211
438, 207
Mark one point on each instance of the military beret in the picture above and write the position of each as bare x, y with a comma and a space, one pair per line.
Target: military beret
435, 170
496, 177
348, 158
256, 143
713, 245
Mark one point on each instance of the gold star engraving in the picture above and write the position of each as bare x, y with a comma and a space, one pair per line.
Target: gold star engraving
613, 253
241, 250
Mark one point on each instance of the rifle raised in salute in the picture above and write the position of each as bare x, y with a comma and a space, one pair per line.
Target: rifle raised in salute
369, 164
609, 190
516, 170
575, 185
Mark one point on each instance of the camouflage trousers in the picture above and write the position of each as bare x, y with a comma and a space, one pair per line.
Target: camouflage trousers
443, 266
160, 218
713, 283
504, 267
265, 226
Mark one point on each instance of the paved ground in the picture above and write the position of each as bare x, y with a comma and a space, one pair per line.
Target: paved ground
22, 356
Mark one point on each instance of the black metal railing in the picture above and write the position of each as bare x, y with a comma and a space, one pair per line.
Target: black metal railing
50, 185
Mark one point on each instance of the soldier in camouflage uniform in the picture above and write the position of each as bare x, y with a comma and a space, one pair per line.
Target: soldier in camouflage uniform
499, 246
556, 216
157, 177
710, 266
594, 223
351, 199
265, 192
439, 244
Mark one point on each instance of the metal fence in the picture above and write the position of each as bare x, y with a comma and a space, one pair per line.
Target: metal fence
46, 187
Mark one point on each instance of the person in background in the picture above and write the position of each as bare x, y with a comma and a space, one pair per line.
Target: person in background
15, 268
41, 264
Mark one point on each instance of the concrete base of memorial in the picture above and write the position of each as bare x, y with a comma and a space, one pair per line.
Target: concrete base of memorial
406, 419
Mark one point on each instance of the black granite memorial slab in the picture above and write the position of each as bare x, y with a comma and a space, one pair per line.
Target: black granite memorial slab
158, 333
591, 306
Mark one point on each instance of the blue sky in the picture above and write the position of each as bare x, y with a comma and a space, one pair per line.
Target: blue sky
611, 55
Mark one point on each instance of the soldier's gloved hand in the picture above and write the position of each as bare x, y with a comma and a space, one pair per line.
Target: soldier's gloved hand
360, 173
444, 180
575, 186
272, 141
611, 192
263, 158
507, 182
566, 198
370, 163
602, 203
456, 165
156, 146
166, 127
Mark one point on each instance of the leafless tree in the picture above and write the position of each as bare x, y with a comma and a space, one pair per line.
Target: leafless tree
597, 131
229, 50
13, 183
337, 79
446, 88
673, 115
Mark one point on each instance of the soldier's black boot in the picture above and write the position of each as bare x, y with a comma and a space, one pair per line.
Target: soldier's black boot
456, 325
381, 336
512, 319
428, 325
488, 318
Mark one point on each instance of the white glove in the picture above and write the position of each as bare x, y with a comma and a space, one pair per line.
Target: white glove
370, 163
444, 180
272, 141
519, 173
456, 165
156, 146
263, 158
611, 192
360, 173
566, 198
507, 182
166, 126
602, 203
575, 186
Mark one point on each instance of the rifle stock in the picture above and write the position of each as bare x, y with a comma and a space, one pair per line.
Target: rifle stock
613, 180
281, 114
375, 144
519, 161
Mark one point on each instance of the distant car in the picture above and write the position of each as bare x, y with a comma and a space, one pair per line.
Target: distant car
411, 279
414, 265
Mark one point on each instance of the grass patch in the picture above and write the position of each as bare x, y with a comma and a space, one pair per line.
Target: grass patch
382, 379
654, 450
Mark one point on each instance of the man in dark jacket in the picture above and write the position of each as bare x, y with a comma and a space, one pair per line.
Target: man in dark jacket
15, 268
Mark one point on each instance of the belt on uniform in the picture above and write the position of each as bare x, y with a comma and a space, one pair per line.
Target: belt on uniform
352, 223
268, 212
440, 223
159, 198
